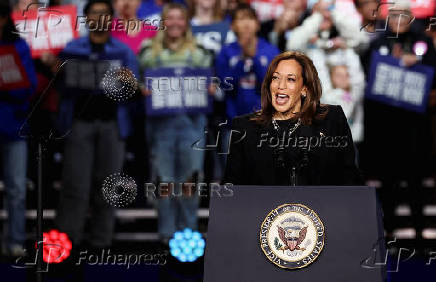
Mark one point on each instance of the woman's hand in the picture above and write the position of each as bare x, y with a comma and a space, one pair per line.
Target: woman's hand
322, 7
339, 43
212, 89
50, 60
145, 92
286, 21
409, 60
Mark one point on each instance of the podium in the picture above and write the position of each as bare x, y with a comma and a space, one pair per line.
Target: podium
353, 235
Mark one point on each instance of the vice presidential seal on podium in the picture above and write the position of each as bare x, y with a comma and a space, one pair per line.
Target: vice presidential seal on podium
292, 236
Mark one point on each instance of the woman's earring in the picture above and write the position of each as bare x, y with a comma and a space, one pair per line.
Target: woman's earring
303, 95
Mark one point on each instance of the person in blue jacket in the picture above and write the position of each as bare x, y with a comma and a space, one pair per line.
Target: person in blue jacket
245, 62
95, 127
14, 106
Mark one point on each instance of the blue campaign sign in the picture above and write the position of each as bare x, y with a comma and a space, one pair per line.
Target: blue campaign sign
213, 36
398, 86
178, 90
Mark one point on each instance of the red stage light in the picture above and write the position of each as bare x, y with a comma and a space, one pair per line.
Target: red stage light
56, 246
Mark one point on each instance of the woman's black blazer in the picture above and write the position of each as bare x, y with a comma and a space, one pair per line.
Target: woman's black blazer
326, 146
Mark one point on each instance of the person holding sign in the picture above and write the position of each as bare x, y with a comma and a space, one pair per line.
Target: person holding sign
293, 139
95, 126
174, 162
400, 88
17, 83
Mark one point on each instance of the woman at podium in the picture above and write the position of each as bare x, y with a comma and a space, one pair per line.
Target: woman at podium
293, 139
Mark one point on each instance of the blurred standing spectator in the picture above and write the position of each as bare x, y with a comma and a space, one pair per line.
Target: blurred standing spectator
212, 32
404, 151
13, 111
152, 9
431, 31
171, 136
208, 26
128, 28
368, 9
204, 12
245, 62
80, 5
94, 149
267, 9
329, 38
322, 34
347, 90
23, 5
276, 31
228, 6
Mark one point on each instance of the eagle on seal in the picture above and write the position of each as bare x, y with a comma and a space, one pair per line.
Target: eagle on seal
290, 241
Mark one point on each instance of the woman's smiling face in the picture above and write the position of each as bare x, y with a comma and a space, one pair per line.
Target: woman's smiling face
176, 24
286, 86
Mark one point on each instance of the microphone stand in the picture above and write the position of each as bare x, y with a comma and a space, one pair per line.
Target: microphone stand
293, 176
41, 137
39, 216
302, 163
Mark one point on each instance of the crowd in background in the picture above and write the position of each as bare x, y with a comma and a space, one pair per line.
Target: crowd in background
393, 144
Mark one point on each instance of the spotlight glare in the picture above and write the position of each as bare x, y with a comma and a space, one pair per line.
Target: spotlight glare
201, 243
173, 243
178, 236
56, 246
187, 245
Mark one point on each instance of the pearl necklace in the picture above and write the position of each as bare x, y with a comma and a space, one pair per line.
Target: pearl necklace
291, 130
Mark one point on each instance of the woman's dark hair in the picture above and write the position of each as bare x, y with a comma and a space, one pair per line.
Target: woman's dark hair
246, 8
311, 107
92, 2
10, 33
359, 3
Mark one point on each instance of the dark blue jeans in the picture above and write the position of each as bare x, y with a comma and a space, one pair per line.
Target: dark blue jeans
14, 171
175, 160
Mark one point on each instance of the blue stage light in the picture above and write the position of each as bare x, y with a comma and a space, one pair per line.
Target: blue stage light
196, 235
198, 252
178, 235
187, 245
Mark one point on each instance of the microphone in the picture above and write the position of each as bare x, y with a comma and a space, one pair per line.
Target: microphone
302, 161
